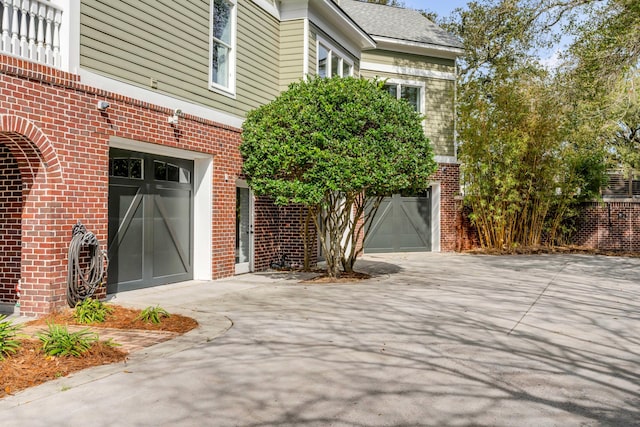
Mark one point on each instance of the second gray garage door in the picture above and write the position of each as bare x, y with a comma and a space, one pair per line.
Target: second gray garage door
402, 224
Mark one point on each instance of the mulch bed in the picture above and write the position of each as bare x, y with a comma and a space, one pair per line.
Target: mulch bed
535, 250
353, 276
29, 366
123, 318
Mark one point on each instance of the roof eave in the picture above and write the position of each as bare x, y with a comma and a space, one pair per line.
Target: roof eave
419, 48
333, 11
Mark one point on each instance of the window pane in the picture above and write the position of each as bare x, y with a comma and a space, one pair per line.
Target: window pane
119, 167
323, 54
335, 65
159, 170
346, 68
412, 95
392, 89
135, 168
222, 21
185, 176
220, 65
173, 173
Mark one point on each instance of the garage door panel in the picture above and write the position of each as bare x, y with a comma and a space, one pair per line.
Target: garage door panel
126, 230
150, 220
171, 233
403, 226
382, 229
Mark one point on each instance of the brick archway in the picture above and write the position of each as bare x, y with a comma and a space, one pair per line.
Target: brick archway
29, 217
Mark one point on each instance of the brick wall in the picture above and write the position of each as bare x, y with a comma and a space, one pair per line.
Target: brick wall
10, 224
613, 225
49, 121
266, 245
278, 231
448, 174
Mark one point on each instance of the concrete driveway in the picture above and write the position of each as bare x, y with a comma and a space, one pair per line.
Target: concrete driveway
432, 339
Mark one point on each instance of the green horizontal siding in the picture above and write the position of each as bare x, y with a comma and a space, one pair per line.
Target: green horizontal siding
438, 108
291, 52
399, 59
134, 41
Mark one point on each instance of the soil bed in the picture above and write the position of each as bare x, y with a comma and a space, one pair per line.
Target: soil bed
29, 366
354, 276
535, 250
123, 318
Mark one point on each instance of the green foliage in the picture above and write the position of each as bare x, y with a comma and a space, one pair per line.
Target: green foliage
58, 341
91, 311
325, 143
8, 337
533, 141
338, 134
153, 314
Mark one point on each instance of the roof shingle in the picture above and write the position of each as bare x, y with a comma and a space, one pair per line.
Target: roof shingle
397, 23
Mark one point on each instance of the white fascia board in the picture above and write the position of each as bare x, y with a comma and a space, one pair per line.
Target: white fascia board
410, 71
269, 6
111, 85
327, 16
340, 42
418, 48
332, 12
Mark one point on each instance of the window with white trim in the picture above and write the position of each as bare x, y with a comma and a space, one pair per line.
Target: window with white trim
223, 49
331, 62
412, 93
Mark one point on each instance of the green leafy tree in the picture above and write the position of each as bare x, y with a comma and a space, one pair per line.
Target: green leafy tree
336, 146
528, 155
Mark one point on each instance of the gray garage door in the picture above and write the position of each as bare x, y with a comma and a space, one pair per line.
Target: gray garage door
150, 220
402, 224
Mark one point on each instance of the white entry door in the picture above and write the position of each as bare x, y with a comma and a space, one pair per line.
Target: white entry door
244, 228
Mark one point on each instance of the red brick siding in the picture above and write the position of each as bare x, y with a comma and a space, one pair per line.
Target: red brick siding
448, 174
49, 115
609, 226
266, 241
278, 231
10, 224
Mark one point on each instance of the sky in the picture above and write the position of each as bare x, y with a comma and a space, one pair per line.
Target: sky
441, 7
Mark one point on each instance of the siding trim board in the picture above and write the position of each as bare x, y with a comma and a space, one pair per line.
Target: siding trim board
411, 71
111, 85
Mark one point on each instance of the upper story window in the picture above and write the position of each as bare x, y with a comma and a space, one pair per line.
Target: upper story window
412, 93
332, 63
223, 46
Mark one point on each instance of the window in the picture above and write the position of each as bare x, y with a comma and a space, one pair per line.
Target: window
412, 93
332, 63
163, 171
223, 55
124, 167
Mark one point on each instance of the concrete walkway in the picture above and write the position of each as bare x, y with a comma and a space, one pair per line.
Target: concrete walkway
432, 339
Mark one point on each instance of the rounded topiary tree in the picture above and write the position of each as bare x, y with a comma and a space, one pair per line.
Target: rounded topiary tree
336, 146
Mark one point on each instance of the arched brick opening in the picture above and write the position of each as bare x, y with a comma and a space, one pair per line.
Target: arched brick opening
27, 197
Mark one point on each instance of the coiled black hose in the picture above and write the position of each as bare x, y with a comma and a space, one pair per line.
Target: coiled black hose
83, 283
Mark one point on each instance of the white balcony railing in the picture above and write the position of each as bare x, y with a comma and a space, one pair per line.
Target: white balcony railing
31, 30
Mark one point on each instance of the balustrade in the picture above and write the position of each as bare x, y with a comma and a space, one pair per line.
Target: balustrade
31, 30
